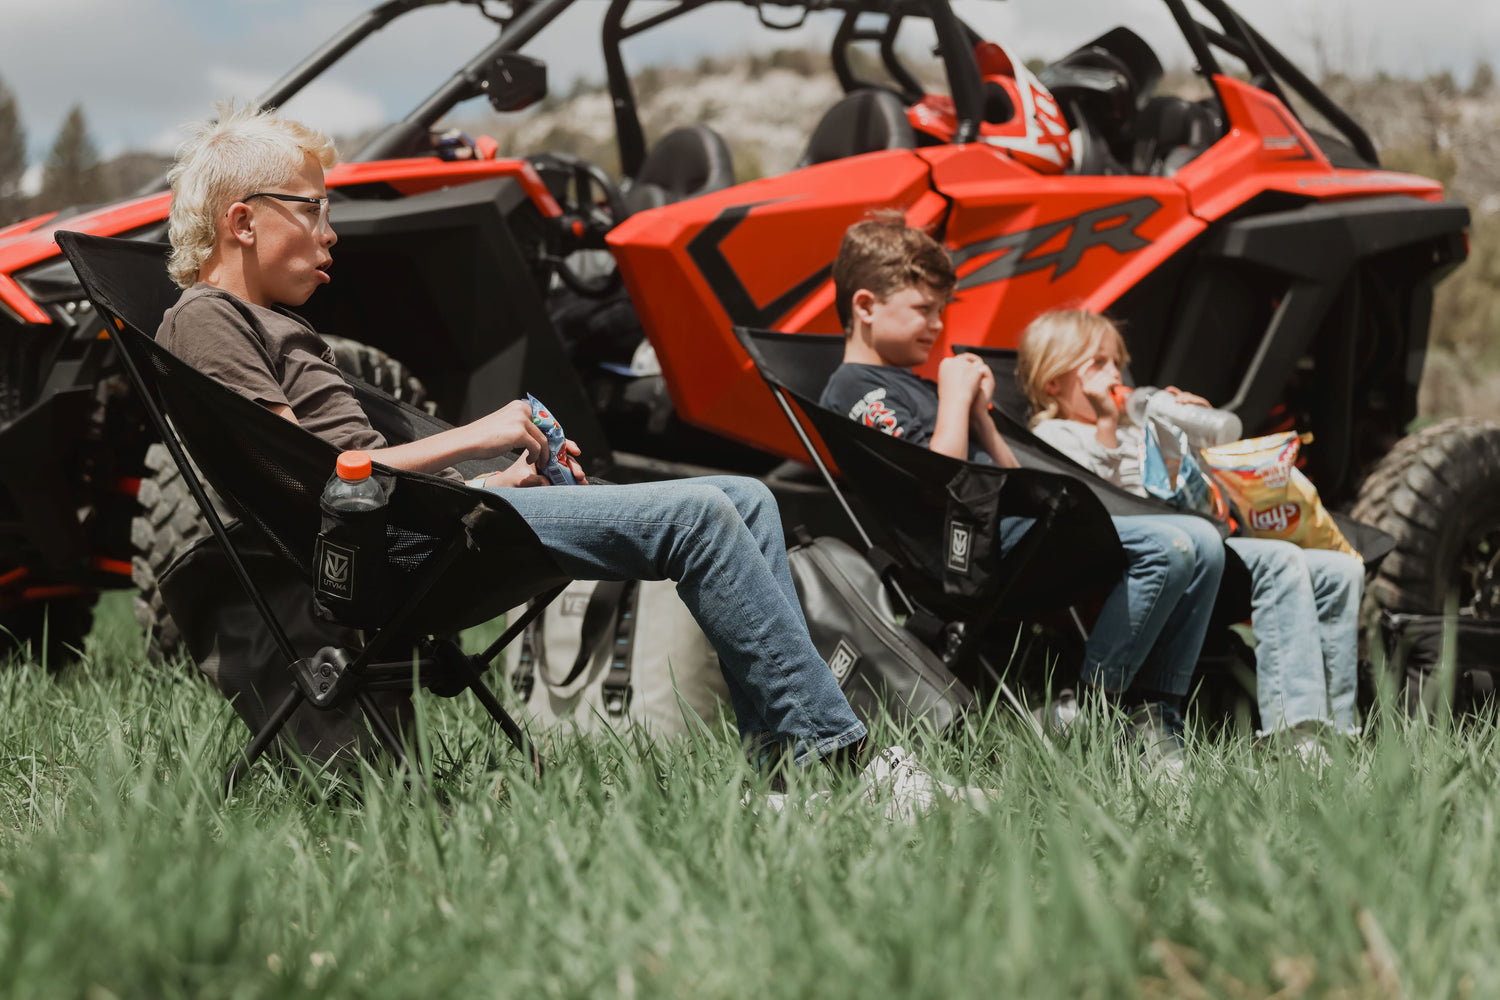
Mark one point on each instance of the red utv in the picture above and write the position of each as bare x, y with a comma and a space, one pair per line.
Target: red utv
1248, 240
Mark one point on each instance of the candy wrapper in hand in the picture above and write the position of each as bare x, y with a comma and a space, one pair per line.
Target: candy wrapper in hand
557, 474
1278, 501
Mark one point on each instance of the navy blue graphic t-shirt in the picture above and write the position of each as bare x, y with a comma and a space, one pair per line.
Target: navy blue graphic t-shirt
895, 401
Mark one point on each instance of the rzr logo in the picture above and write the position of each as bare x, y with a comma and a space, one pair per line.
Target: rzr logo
1085, 231
1281, 519
843, 660
959, 535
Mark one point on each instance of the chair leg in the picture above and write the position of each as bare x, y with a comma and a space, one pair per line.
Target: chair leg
387, 736
1010, 699
262, 739
502, 717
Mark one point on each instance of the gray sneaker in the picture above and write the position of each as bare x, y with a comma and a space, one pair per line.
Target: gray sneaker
1156, 733
1303, 743
778, 802
1057, 716
895, 779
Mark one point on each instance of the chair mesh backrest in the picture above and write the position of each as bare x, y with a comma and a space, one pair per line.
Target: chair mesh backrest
802, 364
903, 489
272, 471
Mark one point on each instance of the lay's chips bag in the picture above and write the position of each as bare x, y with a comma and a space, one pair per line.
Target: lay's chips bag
1277, 500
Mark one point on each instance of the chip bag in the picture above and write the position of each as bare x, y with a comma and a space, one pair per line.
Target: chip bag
1277, 500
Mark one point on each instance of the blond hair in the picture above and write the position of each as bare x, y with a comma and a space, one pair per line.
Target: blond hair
235, 154
1056, 343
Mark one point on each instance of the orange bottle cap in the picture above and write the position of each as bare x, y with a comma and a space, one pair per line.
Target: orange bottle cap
353, 465
1120, 394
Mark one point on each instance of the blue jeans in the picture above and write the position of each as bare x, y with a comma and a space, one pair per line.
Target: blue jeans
720, 538
1152, 624
1297, 594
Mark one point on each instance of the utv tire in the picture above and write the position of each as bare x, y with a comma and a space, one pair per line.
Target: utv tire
1438, 494
378, 368
170, 521
168, 524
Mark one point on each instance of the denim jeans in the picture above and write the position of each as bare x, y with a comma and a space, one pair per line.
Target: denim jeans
1297, 594
1152, 624
720, 538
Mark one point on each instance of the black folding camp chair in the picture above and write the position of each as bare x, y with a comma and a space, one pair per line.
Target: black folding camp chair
930, 522
457, 557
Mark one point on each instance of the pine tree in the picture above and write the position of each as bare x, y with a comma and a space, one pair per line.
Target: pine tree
71, 175
1484, 79
12, 158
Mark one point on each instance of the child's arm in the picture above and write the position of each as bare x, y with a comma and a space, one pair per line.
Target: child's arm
989, 436
506, 429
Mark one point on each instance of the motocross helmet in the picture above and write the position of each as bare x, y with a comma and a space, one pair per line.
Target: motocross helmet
1020, 115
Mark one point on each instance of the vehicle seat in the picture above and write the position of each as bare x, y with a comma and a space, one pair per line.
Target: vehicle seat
687, 162
1170, 132
865, 121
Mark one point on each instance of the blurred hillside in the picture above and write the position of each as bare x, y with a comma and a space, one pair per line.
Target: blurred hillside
766, 105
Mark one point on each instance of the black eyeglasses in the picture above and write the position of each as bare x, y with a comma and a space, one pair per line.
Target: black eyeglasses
322, 204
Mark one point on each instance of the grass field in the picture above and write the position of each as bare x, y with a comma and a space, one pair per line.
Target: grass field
634, 870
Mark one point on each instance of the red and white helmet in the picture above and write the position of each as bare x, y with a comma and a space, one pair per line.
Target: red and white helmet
1020, 115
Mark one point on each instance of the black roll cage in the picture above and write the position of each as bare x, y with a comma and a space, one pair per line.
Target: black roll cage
955, 43
1269, 67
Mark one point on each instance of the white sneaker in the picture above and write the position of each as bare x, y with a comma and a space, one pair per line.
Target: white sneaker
1057, 716
905, 787
778, 802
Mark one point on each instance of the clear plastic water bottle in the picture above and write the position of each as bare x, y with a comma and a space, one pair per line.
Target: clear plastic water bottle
350, 553
557, 474
1205, 426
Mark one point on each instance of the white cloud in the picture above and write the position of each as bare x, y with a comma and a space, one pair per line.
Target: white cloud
31, 180
330, 104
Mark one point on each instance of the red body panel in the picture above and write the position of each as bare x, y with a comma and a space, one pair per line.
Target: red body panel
1024, 243
752, 245
31, 242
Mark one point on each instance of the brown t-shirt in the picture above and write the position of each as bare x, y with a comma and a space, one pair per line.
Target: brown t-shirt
272, 357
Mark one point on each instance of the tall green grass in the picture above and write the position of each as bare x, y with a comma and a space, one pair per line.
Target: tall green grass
633, 870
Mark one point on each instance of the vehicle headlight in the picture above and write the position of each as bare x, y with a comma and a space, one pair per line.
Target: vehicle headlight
55, 288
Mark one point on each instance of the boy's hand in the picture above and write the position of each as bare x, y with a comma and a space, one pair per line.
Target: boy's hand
961, 376
506, 429
984, 393
568, 459
518, 474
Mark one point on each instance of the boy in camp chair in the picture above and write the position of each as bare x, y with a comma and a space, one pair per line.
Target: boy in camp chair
251, 236
891, 285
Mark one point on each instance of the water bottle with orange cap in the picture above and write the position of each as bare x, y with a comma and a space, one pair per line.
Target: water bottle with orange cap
350, 554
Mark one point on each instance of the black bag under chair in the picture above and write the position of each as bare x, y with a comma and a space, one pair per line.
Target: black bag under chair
931, 523
882, 668
444, 572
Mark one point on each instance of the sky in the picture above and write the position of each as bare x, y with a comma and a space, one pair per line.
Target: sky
141, 68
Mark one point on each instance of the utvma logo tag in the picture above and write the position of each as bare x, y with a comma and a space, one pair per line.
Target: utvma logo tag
334, 564
960, 539
843, 659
